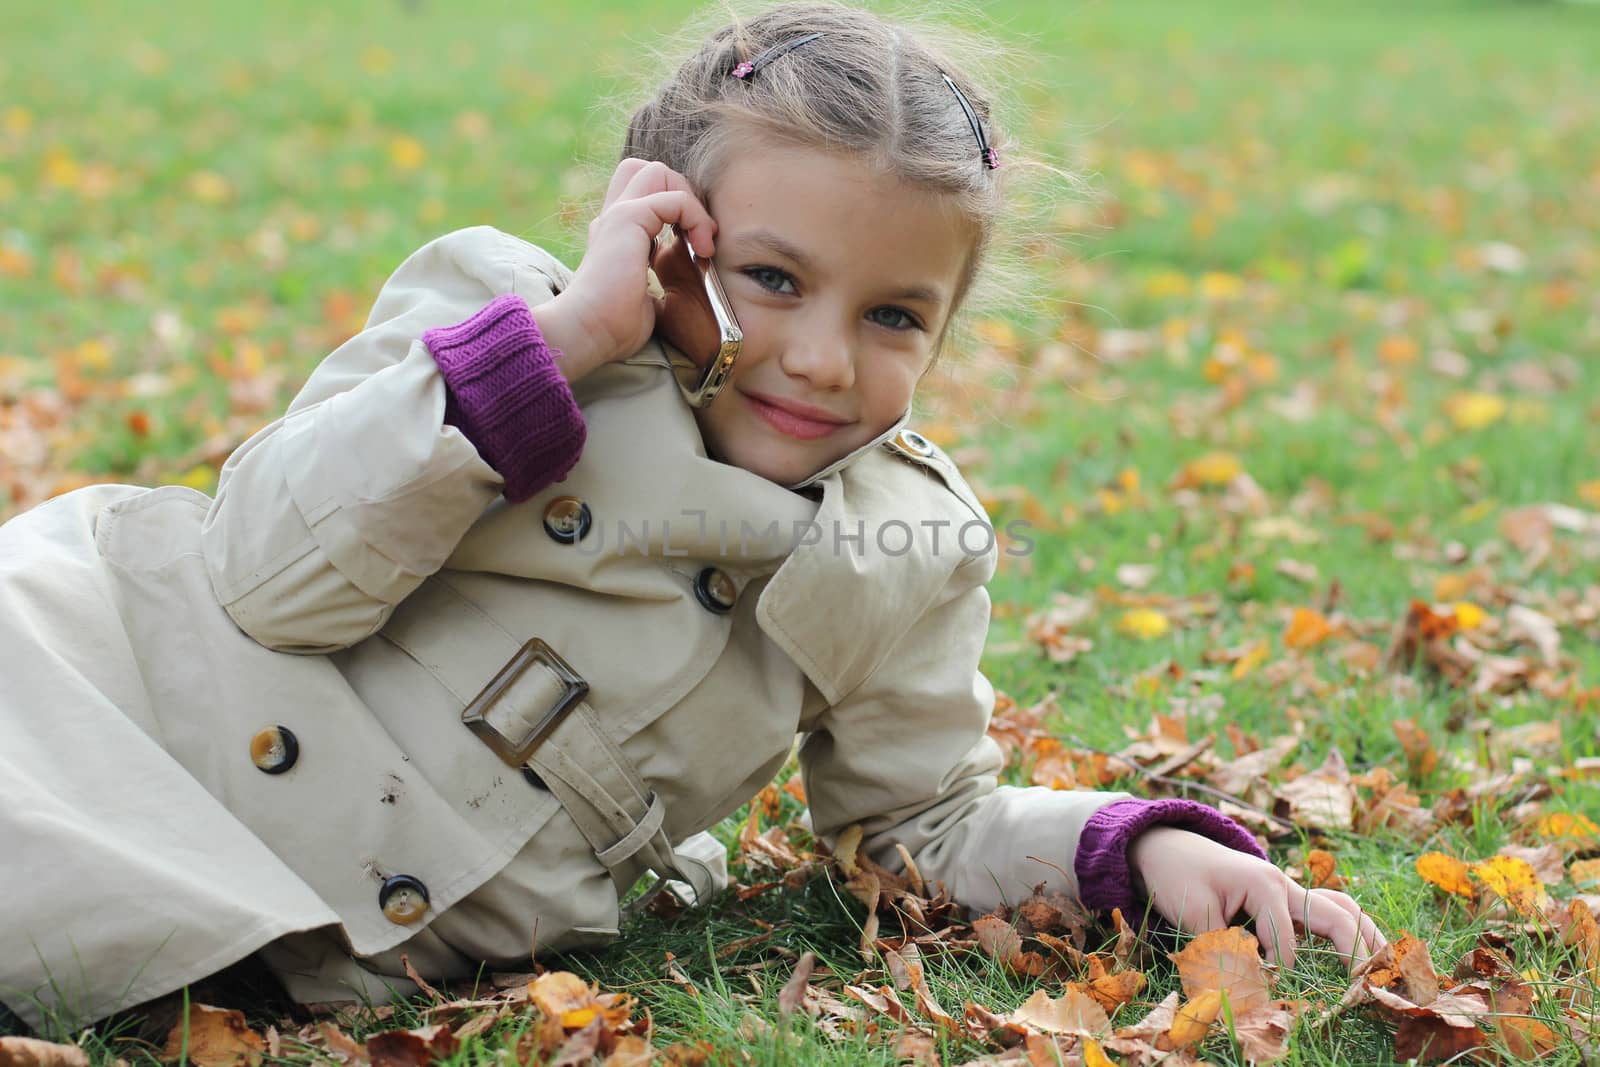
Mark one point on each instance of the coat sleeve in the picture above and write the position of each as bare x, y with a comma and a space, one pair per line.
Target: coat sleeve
327, 518
908, 756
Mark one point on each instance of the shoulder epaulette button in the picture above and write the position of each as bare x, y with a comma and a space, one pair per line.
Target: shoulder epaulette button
914, 443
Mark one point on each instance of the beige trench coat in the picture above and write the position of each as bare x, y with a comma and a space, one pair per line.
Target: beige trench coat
143, 641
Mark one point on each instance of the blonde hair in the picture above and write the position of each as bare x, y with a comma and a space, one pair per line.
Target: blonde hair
869, 87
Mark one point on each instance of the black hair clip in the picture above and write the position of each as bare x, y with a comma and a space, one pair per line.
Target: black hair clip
750, 66
990, 157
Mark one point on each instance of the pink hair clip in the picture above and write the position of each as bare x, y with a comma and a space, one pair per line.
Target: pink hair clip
747, 68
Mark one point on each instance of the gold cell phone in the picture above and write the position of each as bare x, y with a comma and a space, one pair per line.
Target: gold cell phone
695, 319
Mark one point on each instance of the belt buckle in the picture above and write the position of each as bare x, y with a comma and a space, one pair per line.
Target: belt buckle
515, 751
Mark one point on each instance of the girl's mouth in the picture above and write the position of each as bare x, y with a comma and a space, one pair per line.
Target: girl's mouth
784, 418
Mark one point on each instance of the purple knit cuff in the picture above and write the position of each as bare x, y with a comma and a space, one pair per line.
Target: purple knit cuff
506, 395
1105, 875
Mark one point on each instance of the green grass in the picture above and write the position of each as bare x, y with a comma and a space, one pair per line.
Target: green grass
1337, 169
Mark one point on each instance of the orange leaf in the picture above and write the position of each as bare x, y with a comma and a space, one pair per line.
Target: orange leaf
1446, 872
31, 1052
215, 1037
1189, 1026
1307, 628
1228, 961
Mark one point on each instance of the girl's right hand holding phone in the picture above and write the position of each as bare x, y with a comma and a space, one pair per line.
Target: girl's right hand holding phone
608, 313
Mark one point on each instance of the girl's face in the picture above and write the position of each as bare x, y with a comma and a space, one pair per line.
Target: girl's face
842, 281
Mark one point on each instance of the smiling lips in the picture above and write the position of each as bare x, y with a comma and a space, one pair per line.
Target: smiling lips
796, 420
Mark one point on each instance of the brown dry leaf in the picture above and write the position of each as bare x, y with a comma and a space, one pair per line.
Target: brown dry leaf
794, 990
411, 1048
1000, 941
1323, 799
631, 1051
1072, 1013
1584, 873
217, 1037
1446, 872
1263, 1036
1191, 1022
1322, 870
1112, 991
30, 1052
580, 1046
882, 1000
1228, 961
341, 1045
1527, 1039
916, 1046
1421, 756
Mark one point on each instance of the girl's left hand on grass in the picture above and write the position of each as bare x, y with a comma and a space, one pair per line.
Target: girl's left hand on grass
1198, 885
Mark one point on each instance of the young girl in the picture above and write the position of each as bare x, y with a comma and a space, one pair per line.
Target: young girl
492, 622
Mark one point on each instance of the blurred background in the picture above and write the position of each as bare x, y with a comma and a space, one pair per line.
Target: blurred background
199, 201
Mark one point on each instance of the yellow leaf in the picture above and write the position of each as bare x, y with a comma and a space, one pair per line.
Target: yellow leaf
1189, 1026
95, 354
201, 477
1589, 493
1474, 411
1217, 285
1446, 872
578, 1018
1255, 657
1469, 615
407, 153
1213, 468
1144, 623
1514, 881
1567, 826
1307, 628
1094, 1055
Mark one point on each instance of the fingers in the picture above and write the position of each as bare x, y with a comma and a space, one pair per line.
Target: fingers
656, 210
1333, 915
649, 179
1274, 922
625, 172
1351, 930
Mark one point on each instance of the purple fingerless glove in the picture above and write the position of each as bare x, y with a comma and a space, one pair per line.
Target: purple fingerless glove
1105, 875
504, 392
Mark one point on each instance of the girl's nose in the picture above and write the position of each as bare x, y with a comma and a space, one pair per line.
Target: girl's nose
821, 358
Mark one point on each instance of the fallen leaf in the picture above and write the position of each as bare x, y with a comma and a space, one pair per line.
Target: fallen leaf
215, 1037
1514, 881
411, 1048
1228, 961
1307, 629
31, 1052
1193, 1019
1072, 1013
1446, 872
1146, 624
794, 989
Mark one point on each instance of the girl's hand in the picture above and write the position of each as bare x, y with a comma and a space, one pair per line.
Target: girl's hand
607, 312
1199, 885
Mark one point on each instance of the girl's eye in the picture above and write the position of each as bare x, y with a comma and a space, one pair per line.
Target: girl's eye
898, 319
769, 278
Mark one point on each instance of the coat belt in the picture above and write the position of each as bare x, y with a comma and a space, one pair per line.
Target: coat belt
504, 689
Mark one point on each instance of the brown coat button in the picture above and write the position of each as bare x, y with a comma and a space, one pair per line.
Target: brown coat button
715, 590
274, 749
404, 899
567, 519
